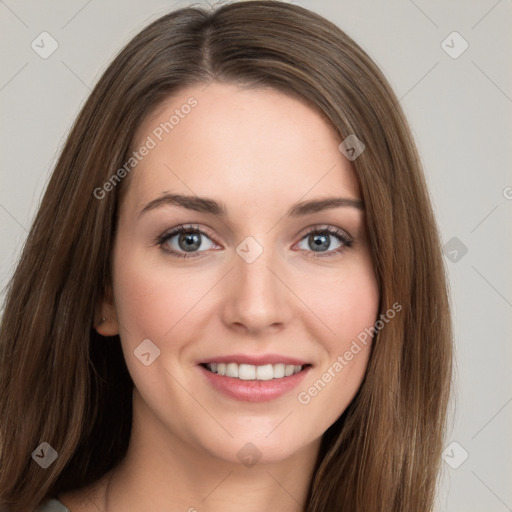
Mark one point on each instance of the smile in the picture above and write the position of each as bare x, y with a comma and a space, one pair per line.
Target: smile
254, 378
252, 372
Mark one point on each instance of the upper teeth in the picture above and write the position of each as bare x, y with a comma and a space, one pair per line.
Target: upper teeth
251, 372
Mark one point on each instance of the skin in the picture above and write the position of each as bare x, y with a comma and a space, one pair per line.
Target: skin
259, 152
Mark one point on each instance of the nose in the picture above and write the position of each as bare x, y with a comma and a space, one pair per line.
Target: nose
256, 298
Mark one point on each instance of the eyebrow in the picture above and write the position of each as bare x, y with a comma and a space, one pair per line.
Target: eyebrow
206, 205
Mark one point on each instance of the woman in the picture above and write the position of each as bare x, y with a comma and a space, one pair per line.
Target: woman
233, 295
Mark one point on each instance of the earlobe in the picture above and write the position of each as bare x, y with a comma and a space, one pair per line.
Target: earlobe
105, 321
107, 325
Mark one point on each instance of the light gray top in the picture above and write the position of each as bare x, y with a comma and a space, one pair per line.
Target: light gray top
52, 506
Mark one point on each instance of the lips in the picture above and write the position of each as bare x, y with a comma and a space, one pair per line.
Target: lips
254, 378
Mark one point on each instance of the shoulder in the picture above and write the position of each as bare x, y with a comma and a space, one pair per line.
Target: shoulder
53, 505
83, 499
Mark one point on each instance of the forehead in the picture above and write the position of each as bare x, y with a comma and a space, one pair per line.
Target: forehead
253, 144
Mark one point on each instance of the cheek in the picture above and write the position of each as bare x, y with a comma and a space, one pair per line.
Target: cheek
346, 303
143, 309
153, 303
348, 306
150, 303
357, 300
358, 304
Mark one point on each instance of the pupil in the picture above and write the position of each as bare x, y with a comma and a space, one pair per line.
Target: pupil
191, 241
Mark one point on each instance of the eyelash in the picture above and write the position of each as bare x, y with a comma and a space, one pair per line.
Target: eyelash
340, 235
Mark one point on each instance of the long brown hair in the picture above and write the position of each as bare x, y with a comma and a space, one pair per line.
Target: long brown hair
62, 383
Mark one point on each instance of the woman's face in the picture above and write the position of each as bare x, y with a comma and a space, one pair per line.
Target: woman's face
248, 288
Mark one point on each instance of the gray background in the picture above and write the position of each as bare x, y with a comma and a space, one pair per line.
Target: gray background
460, 111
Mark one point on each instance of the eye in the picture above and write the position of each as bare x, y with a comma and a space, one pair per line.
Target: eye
189, 241
185, 242
326, 240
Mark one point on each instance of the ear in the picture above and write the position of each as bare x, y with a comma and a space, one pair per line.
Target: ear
106, 322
